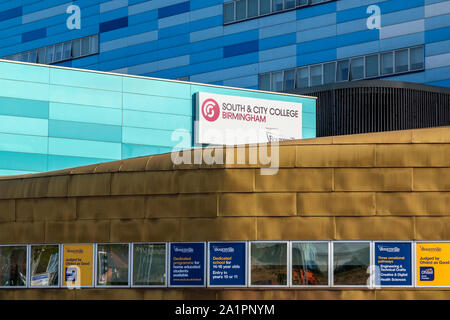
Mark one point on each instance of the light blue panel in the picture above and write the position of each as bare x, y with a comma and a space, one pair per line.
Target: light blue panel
14, 172
437, 22
242, 82
277, 30
314, 11
24, 108
64, 162
84, 131
155, 87
23, 161
206, 34
23, 72
80, 113
156, 120
437, 74
278, 18
208, 23
198, 4
173, 20
402, 41
166, 105
45, 13
90, 80
401, 29
128, 42
239, 38
402, 16
437, 48
113, 5
134, 150
84, 148
358, 49
352, 26
444, 83
241, 26
279, 64
309, 106
21, 125
308, 133
207, 12
142, 17
173, 31
316, 22
316, 57
278, 53
23, 143
152, 137
314, 34
437, 35
309, 120
173, 41
100, 98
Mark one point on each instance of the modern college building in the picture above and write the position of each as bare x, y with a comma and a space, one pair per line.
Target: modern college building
275, 45
132, 196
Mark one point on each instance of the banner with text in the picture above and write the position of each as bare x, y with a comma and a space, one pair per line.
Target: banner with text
77, 265
393, 260
187, 264
231, 120
227, 264
433, 263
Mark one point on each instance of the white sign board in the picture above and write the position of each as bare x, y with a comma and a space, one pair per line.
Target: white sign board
231, 120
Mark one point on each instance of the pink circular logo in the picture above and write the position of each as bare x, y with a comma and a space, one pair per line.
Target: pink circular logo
210, 110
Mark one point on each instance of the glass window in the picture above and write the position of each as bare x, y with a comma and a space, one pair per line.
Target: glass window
33, 56
302, 2
264, 81
252, 8
94, 44
76, 48
342, 70
277, 5
329, 72
372, 66
149, 264
401, 60
277, 81
387, 63
268, 263
264, 7
317, 1
288, 4
316, 75
24, 56
13, 266
67, 51
241, 9
41, 56
357, 68
112, 264
417, 58
58, 52
44, 265
303, 77
310, 263
228, 12
350, 263
289, 79
84, 46
50, 54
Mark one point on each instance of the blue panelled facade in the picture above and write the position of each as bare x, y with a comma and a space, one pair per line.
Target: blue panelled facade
191, 40
53, 117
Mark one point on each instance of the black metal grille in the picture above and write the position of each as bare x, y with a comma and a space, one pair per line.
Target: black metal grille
374, 106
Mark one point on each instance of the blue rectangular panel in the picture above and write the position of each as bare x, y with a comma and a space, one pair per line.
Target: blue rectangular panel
23, 161
84, 131
393, 262
240, 48
33, 35
187, 264
227, 265
114, 24
24, 108
11, 13
64, 162
135, 150
173, 10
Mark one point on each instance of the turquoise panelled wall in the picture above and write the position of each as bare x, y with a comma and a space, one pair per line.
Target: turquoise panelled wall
53, 118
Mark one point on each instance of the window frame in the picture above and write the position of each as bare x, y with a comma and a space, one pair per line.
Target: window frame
205, 265
27, 267
165, 285
329, 266
288, 266
96, 285
333, 285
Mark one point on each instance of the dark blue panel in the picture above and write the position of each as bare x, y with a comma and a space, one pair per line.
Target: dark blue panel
173, 10
11, 13
240, 48
33, 35
114, 24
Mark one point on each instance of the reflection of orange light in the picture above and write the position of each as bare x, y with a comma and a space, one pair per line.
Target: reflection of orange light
299, 277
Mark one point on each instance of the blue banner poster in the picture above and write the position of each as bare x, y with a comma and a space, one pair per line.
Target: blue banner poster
187, 264
393, 263
227, 264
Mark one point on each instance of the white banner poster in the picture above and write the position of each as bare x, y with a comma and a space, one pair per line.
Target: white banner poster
230, 120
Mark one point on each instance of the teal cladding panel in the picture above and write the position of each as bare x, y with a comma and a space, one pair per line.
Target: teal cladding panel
24, 108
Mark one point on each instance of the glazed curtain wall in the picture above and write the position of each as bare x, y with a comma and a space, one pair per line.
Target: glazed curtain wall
54, 118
